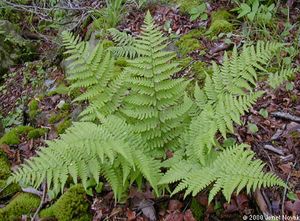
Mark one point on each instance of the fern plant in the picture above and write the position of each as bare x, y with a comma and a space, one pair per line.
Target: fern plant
94, 71
87, 151
156, 105
154, 115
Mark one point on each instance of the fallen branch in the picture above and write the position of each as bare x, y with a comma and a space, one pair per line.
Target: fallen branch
286, 116
43, 199
273, 149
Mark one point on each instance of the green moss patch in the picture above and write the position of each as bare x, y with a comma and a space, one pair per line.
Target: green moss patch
72, 205
190, 42
8, 191
33, 107
4, 166
221, 14
57, 117
13, 136
36, 133
220, 23
22, 204
62, 126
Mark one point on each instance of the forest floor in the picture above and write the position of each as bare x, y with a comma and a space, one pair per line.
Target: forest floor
271, 127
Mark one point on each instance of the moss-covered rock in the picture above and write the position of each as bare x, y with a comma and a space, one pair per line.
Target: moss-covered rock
4, 166
13, 47
36, 133
13, 136
33, 108
62, 126
22, 204
190, 42
72, 205
8, 191
57, 117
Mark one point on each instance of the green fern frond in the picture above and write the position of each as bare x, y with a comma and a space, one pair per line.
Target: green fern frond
87, 151
93, 70
276, 79
124, 44
233, 170
156, 105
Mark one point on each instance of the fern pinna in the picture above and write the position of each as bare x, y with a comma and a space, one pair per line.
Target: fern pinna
93, 69
88, 151
155, 114
156, 105
233, 169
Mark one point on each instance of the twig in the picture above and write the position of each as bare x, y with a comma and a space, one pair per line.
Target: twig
42, 202
286, 116
285, 191
273, 149
47, 9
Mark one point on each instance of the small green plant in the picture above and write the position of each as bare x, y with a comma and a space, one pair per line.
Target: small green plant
256, 12
199, 12
110, 16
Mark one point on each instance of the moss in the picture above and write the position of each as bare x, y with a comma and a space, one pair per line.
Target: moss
36, 133
66, 107
33, 107
57, 117
121, 62
4, 166
62, 126
72, 205
22, 204
107, 43
200, 70
219, 26
190, 42
8, 191
221, 14
197, 210
13, 136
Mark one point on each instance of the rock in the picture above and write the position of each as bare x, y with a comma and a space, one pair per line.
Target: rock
13, 47
70, 206
23, 203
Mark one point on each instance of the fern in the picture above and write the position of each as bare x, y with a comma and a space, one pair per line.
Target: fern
156, 105
94, 71
124, 44
233, 170
88, 151
155, 115
226, 96
276, 79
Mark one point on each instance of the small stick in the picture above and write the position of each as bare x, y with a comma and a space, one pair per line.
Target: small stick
285, 191
273, 149
42, 202
286, 116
